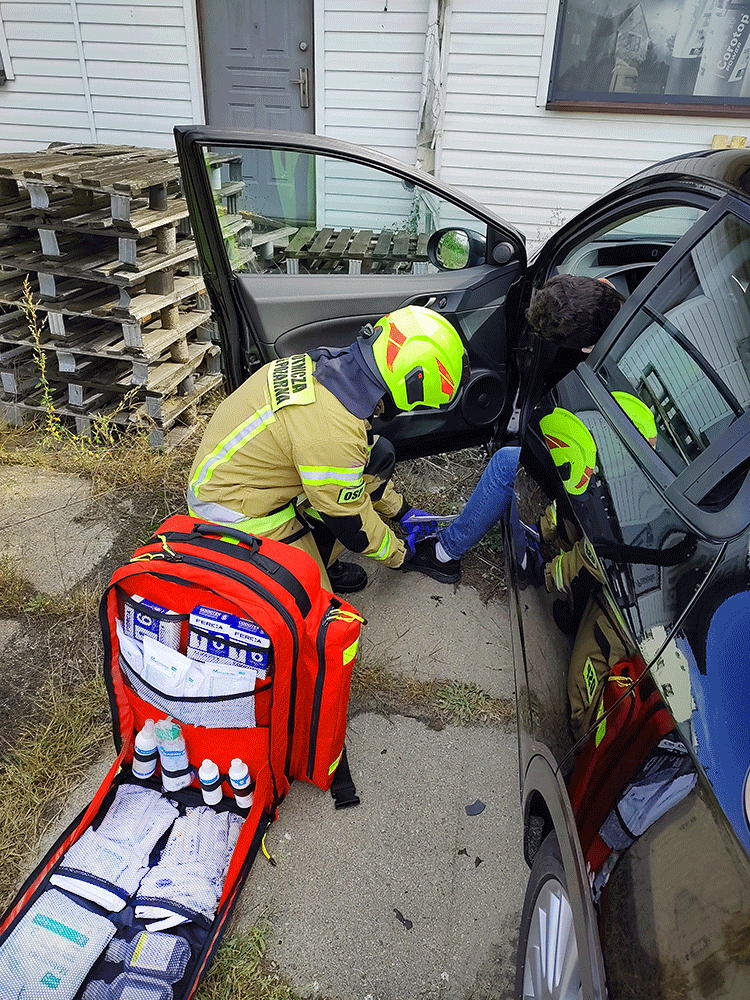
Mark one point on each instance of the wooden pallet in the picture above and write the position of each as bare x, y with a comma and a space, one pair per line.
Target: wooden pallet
355, 251
102, 234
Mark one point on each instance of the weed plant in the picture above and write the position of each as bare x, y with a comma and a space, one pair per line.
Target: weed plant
239, 971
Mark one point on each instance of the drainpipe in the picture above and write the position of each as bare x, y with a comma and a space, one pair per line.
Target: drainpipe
433, 86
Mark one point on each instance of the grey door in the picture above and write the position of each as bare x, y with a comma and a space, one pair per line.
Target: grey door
258, 74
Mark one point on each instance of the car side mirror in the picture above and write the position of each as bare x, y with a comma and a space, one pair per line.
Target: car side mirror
454, 249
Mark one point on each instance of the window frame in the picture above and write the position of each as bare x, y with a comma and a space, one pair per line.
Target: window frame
656, 104
6, 66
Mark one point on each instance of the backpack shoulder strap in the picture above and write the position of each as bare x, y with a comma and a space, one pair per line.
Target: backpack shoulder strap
342, 789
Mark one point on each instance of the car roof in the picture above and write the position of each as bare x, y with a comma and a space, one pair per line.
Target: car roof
721, 171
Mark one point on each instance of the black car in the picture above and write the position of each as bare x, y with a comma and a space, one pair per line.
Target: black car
630, 597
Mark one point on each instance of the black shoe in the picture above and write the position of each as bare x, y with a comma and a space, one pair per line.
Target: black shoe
532, 574
346, 578
424, 560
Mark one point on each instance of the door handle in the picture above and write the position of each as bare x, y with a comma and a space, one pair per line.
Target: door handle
304, 91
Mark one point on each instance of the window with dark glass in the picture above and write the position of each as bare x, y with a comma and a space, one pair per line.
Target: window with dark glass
653, 53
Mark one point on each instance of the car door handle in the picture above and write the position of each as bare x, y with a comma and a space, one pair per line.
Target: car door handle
304, 90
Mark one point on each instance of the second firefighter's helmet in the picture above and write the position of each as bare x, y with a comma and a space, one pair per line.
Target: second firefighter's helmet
420, 357
572, 448
639, 413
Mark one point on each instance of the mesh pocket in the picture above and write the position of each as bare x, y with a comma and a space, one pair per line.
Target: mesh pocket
236, 711
52, 948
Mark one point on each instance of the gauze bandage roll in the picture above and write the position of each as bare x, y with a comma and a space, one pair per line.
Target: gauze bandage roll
106, 865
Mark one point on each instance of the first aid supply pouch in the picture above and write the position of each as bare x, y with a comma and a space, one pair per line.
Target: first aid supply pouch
163, 956
51, 949
129, 986
186, 875
216, 636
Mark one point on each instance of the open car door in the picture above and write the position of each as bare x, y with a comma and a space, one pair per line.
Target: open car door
303, 240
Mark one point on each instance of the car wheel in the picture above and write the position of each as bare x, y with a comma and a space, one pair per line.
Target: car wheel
547, 967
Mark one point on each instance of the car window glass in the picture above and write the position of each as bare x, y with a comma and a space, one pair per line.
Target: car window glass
686, 351
668, 222
291, 212
625, 250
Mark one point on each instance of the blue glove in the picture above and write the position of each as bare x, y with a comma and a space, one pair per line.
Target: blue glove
416, 532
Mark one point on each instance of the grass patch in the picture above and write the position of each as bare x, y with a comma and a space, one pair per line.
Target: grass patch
18, 596
438, 703
239, 971
69, 728
129, 463
15, 593
441, 483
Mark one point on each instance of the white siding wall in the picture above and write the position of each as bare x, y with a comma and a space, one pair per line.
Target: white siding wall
371, 54
535, 167
108, 72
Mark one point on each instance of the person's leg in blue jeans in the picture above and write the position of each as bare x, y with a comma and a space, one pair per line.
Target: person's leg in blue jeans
486, 505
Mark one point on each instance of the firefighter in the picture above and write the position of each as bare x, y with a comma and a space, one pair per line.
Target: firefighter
291, 455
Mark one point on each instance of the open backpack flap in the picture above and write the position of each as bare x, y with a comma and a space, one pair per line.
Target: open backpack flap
230, 645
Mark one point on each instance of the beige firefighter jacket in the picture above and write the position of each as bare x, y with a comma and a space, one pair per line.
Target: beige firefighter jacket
282, 437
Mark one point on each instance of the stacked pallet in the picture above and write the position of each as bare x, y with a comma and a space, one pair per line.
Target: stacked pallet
101, 234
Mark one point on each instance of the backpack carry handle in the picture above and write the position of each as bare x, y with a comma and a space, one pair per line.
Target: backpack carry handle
223, 530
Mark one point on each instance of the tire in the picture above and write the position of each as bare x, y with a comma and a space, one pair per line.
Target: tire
549, 972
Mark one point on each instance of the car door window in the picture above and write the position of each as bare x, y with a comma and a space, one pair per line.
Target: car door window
292, 212
686, 351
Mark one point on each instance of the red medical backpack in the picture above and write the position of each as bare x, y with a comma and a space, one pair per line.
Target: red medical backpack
291, 725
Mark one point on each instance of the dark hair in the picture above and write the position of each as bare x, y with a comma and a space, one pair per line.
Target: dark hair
573, 309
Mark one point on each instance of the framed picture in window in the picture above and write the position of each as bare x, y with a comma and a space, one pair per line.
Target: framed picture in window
664, 56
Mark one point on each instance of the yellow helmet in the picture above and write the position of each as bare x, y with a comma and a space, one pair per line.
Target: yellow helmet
639, 413
572, 448
420, 357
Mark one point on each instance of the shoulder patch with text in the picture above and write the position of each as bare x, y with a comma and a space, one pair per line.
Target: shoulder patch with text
290, 380
350, 494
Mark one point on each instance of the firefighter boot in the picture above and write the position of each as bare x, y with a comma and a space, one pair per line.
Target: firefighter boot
346, 578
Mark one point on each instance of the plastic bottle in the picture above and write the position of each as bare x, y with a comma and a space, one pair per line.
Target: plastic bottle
128, 987
210, 779
145, 751
163, 956
239, 779
175, 766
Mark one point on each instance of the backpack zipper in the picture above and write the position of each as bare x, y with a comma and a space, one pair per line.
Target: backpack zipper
320, 646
